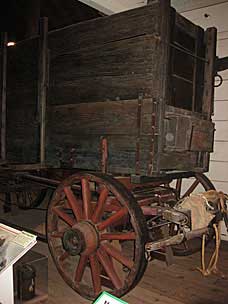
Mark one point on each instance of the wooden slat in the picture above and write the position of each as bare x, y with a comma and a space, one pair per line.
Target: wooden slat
103, 88
105, 30
111, 117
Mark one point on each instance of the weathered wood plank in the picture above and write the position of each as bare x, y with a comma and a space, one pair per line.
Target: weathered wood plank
179, 161
120, 70
22, 136
105, 30
85, 153
80, 128
111, 117
208, 93
102, 89
123, 57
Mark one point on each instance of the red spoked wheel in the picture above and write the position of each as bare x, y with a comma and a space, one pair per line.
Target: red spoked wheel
96, 234
183, 188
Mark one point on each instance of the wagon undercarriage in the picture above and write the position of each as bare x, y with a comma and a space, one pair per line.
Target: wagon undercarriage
102, 230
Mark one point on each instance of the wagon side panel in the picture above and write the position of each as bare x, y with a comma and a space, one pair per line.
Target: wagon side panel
22, 127
105, 76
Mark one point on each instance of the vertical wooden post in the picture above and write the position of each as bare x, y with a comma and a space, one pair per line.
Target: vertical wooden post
43, 84
209, 72
165, 15
3, 94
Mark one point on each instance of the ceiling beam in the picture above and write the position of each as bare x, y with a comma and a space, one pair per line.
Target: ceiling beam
109, 7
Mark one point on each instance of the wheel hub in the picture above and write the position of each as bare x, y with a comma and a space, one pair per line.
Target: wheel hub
73, 241
82, 238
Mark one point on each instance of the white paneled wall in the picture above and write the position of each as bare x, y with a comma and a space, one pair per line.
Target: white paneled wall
217, 15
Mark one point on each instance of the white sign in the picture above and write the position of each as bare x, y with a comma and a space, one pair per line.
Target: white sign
106, 298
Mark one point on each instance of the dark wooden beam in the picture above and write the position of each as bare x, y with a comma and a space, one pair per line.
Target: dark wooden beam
42, 84
4, 41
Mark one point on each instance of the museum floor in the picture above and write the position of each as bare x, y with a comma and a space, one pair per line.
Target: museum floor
177, 284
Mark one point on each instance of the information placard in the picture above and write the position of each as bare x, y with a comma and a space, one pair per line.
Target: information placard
107, 298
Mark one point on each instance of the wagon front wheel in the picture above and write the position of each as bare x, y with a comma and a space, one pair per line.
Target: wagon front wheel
96, 234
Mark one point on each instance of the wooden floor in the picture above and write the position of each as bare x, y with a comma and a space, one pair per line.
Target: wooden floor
177, 284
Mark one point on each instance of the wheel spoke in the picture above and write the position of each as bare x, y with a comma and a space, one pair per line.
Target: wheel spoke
95, 272
100, 205
118, 236
109, 269
63, 256
80, 269
74, 204
86, 195
65, 217
191, 188
117, 255
113, 219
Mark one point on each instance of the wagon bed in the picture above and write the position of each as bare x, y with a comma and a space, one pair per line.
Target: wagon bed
137, 86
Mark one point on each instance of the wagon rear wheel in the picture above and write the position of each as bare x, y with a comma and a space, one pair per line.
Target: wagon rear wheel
198, 183
96, 234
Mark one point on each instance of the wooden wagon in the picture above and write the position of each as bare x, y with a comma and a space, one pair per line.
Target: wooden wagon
116, 113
